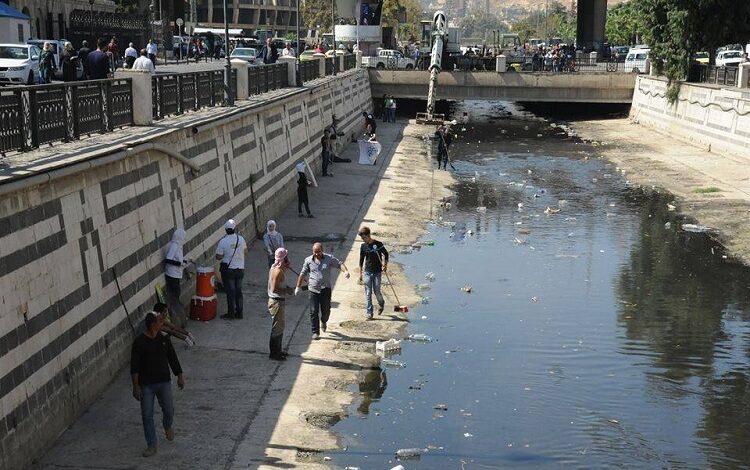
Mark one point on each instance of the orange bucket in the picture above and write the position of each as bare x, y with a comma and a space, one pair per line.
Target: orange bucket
204, 283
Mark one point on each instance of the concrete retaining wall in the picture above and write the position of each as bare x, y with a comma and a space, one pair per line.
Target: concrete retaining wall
63, 332
706, 115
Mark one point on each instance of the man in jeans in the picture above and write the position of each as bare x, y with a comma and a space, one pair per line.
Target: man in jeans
317, 268
231, 252
373, 261
152, 356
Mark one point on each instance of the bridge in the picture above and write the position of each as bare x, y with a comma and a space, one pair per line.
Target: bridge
585, 87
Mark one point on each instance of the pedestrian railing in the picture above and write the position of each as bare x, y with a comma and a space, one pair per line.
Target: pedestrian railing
329, 65
350, 61
263, 78
704, 73
176, 93
309, 70
31, 116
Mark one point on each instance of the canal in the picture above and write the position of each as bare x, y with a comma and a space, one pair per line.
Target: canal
597, 331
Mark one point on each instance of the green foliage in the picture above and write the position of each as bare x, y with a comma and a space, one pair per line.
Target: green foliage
480, 24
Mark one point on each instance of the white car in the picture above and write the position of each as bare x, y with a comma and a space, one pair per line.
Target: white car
244, 53
732, 58
19, 63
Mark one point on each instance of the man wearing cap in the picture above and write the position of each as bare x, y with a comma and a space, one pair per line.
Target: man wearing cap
277, 291
231, 253
317, 268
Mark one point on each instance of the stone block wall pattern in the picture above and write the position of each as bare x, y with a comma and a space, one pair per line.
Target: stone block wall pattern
64, 334
709, 116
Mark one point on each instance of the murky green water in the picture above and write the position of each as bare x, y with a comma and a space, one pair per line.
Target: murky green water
594, 337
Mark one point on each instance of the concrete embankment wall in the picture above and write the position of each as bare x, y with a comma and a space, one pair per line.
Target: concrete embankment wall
705, 115
63, 331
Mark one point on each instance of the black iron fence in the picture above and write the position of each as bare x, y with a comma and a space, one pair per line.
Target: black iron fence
309, 70
265, 78
31, 116
350, 61
176, 93
704, 73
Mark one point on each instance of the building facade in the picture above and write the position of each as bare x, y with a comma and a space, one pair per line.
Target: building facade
50, 18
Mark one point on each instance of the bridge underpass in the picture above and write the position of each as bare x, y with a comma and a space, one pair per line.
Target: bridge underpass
599, 87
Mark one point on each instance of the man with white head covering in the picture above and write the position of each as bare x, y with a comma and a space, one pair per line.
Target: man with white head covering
231, 253
273, 240
302, 191
277, 291
174, 264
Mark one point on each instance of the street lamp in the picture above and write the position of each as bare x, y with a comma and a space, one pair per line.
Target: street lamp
91, 5
228, 66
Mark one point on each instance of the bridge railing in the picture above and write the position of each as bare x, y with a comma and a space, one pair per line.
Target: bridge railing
31, 116
704, 73
176, 93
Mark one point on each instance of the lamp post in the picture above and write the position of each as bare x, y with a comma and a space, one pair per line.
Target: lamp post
91, 5
228, 66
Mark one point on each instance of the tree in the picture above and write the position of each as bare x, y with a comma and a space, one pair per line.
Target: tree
478, 23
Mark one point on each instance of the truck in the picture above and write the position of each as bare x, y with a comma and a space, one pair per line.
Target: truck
388, 59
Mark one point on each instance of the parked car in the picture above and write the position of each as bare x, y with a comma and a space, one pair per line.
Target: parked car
732, 58
388, 58
635, 61
19, 63
245, 53
620, 53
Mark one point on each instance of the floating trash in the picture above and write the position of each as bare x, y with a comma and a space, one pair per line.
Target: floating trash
389, 345
420, 337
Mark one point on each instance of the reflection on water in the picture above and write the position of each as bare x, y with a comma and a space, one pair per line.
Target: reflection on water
593, 337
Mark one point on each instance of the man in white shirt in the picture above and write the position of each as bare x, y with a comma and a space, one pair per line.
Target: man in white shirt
152, 49
144, 63
130, 55
288, 51
231, 253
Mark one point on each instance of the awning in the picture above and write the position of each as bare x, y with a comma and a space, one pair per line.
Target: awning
217, 31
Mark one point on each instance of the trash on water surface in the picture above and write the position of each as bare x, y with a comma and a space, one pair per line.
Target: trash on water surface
389, 345
420, 337
425, 300
695, 228
393, 364
441, 407
466, 289
430, 276
411, 453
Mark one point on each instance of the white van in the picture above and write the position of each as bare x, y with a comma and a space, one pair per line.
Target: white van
635, 61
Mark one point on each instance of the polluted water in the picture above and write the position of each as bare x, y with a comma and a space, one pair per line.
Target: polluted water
623, 346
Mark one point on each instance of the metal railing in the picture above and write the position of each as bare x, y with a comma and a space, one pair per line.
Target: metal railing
265, 78
309, 70
350, 61
329, 65
176, 93
704, 73
31, 116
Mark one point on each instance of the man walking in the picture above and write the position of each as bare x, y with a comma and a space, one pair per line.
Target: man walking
373, 261
277, 291
231, 252
317, 268
151, 357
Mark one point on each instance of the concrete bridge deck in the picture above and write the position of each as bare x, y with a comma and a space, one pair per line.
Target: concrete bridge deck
592, 87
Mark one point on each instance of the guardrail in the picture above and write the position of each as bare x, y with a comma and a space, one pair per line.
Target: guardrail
263, 78
176, 93
704, 73
31, 116
309, 70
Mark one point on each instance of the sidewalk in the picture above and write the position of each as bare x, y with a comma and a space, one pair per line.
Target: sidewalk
241, 410
713, 188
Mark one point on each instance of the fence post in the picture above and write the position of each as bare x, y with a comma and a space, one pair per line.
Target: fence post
243, 90
142, 95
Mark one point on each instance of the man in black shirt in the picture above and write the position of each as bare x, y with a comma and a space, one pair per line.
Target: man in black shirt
373, 261
151, 358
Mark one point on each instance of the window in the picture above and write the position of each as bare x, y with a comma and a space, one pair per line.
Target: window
20, 33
